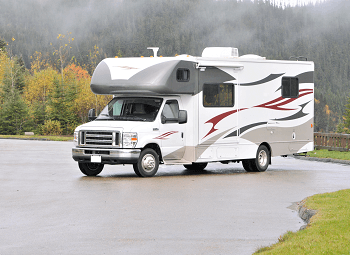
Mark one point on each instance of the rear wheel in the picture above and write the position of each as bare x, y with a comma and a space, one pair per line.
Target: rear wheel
148, 163
90, 169
196, 166
260, 163
247, 165
262, 159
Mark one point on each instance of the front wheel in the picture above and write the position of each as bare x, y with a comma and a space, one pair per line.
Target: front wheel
91, 169
147, 164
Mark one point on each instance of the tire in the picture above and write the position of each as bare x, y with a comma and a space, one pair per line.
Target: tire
262, 159
91, 169
247, 165
148, 163
260, 163
196, 166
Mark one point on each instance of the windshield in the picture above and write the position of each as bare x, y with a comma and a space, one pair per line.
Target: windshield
131, 108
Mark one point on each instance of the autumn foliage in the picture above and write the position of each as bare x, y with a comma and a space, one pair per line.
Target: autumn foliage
53, 97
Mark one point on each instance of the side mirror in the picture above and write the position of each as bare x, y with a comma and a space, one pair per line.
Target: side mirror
182, 116
163, 119
92, 114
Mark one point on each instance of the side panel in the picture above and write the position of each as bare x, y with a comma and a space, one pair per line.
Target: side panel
260, 114
285, 123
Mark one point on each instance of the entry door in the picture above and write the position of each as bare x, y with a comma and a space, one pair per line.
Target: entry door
172, 134
218, 115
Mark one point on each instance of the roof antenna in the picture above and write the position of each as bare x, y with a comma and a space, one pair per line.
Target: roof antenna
155, 50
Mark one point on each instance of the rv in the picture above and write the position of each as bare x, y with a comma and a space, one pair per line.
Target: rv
220, 107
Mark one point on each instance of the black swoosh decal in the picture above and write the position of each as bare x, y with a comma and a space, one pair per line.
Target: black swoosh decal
267, 79
245, 128
307, 77
297, 115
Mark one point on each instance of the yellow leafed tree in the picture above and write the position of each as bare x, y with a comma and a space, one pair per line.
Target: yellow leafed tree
63, 51
40, 85
39, 62
327, 110
4, 62
85, 99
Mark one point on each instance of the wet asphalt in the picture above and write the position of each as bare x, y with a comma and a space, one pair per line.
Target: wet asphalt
48, 207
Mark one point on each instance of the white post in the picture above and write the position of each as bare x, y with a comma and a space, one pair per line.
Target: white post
155, 50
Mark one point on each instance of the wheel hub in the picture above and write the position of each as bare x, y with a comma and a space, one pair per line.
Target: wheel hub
262, 158
148, 162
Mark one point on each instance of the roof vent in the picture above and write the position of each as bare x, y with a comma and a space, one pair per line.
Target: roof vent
220, 52
252, 56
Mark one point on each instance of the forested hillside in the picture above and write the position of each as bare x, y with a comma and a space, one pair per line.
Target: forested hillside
59, 37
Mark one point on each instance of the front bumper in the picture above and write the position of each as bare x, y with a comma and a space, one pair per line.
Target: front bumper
108, 156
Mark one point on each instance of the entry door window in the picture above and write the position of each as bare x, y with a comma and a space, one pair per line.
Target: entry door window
218, 95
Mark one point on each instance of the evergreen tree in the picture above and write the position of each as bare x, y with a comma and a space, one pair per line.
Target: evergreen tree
15, 73
2, 45
61, 106
14, 112
184, 27
344, 126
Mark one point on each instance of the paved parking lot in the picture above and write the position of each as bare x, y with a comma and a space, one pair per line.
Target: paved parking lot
49, 207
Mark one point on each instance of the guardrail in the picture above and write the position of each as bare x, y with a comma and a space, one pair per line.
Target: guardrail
332, 141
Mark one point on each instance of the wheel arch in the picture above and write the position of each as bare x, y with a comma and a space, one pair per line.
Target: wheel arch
156, 148
269, 148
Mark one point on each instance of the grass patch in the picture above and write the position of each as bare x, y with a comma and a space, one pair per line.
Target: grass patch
39, 137
344, 155
327, 233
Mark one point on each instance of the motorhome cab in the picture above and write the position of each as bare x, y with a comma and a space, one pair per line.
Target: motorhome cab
195, 110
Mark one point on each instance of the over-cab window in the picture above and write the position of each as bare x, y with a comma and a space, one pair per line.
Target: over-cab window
218, 95
182, 74
290, 87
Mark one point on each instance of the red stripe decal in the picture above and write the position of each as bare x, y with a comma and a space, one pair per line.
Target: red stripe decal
217, 119
165, 135
273, 104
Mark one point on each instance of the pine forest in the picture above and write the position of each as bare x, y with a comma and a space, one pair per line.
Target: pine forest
49, 49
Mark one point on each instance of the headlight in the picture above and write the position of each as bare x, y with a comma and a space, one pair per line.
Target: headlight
129, 140
76, 136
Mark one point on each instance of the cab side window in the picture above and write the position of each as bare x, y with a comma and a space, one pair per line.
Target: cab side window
182, 75
170, 112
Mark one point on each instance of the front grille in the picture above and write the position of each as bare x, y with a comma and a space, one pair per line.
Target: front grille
99, 138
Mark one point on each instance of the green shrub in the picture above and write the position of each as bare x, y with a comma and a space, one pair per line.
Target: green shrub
51, 127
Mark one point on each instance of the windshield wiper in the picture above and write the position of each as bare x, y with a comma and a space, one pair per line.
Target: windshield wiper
131, 117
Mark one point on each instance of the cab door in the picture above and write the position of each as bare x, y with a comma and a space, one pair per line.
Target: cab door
172, 133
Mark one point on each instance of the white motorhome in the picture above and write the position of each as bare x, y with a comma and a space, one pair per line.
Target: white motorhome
188, 110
